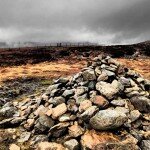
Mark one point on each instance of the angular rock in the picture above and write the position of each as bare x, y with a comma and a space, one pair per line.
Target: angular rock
52, 87
89, 113
89, 75
134, 115
98, 70
109, 73
108, 119
7, 111
61, 80
43, 123
145, 145
100, 101
75, 130
81, 98
49, 112
29, 124
65, 117
81, 90
125, 81
85, 105
113, 61
72, 106
103, 76
107, 89
57, 100
17, 120
24, 137
59, 110
37, 139
68, 93
119, 102
40, 110
72, 144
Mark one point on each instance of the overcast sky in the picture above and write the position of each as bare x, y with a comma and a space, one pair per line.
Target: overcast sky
102, 21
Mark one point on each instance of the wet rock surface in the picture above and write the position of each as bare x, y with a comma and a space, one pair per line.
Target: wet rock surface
101, 107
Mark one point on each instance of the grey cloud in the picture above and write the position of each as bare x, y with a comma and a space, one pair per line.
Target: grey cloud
103, 21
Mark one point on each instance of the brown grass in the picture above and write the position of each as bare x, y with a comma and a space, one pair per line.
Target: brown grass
41, 70
64, 68
141, 66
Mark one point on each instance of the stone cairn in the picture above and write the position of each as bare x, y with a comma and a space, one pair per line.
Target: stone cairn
104, 97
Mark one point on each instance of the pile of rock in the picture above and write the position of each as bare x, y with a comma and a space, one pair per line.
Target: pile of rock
105, 96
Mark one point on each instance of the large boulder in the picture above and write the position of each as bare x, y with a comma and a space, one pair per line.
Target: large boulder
108, 119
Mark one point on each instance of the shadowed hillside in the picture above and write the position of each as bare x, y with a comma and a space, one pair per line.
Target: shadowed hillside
18, 56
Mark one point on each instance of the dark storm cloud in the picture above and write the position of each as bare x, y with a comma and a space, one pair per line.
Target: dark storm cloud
103, 21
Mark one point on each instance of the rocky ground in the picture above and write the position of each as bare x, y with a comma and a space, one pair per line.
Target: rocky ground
104, 106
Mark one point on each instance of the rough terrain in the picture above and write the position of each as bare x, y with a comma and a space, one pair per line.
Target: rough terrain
104, 106
26, 73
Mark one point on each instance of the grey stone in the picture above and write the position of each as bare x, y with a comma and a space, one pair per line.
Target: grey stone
61, 80
107, 89
145, 145
72, 144
68, 93
5, 123
91, 85
81, 90
89, 75
77, 78
108, 68
134, 115
54, 92
141, 103
37, 139
81, 98
57, 100
66, 117
89, 113
51, 88
103, 76
43, 123
119, 102
133, 94
109, 73
17, 120
113, 61
125, 81
24, 137
108, 119
7, 111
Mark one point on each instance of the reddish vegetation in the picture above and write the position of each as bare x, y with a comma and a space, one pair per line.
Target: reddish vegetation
141, 66
42, 70
64, 68
51, 62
